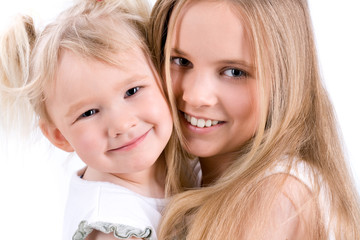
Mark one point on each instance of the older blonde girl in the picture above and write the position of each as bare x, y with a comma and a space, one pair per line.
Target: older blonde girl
247, 96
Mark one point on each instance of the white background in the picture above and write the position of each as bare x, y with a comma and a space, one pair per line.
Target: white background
34, 176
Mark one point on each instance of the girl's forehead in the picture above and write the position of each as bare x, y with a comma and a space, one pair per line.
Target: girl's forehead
213, 31
222, 15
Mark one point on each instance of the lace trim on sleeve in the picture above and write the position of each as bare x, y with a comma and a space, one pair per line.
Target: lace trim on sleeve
120, 231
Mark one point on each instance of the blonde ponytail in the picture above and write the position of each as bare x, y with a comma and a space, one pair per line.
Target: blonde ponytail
16, 45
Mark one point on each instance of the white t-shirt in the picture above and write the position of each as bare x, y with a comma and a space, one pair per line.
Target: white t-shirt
109, 208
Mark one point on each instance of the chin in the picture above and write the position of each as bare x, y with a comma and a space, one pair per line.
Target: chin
201, 152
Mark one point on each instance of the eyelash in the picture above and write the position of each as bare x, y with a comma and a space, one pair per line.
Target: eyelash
242, 73
176, 61
88, 113
132, 91
92, 112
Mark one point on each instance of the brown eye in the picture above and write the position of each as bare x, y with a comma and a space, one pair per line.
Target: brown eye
180, 61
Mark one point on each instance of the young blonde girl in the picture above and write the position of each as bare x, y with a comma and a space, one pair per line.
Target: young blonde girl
281, 173
88, 80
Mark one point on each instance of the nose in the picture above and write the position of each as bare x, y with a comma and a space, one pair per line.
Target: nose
199, 90
120, 122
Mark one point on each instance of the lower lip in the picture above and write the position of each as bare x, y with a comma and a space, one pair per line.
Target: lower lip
199, 130
131, 145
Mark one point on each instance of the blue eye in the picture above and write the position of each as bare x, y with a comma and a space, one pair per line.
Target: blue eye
89, 113
181, 61
131, 91
236, 73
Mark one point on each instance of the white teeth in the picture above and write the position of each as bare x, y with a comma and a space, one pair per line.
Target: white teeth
200, 122
208, 123
193, 121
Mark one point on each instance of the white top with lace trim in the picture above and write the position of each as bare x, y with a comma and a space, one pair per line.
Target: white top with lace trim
102, 204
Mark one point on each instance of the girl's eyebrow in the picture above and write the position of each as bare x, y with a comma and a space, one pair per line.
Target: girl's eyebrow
245, 64
74, 107
178, 51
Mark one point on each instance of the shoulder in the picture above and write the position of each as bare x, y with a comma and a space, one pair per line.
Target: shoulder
288, 188
289, 204
102, 208
109, 199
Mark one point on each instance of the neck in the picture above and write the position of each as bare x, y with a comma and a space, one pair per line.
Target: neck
213, 167
150, 182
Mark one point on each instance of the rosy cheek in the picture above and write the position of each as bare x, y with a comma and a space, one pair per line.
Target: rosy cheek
86, 140
86, 143
242, 107
249, 103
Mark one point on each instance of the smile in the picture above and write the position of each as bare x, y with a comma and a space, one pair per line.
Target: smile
132, 144
199, 122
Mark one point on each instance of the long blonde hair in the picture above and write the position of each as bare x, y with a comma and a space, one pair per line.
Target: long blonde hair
297, 120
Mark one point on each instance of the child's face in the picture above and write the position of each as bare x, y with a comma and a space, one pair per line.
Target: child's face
115, 118
213, 79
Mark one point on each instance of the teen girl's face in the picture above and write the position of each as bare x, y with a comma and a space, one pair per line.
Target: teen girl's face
213, 79
115, 118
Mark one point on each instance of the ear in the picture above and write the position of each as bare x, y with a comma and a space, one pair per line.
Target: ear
54, 135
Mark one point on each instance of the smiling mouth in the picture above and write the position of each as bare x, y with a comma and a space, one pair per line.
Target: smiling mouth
132, 144
200, 122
